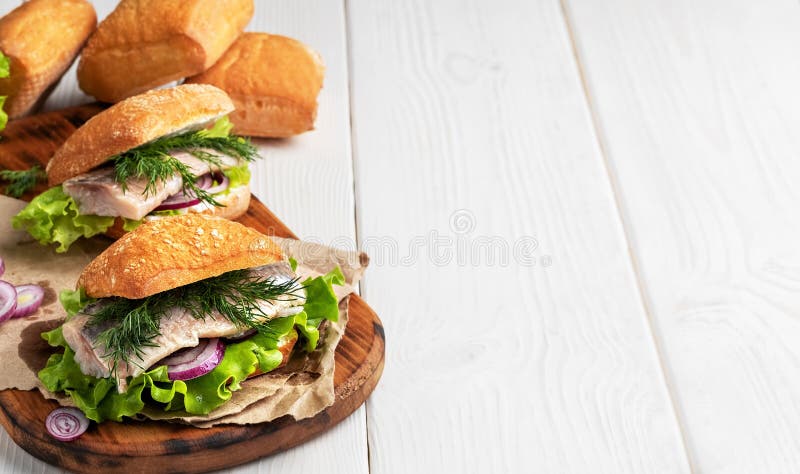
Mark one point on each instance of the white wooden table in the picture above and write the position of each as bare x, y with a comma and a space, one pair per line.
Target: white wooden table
583, 219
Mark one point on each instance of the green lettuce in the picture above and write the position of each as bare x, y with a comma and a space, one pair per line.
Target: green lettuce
99, 399
3, 114
321, 303
238, 176
73, 301
5, 71
221, 129
53, 217
129, 225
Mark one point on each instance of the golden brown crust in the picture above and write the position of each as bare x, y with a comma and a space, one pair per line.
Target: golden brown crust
41, 38
175, 251
273, 81
143, 44
136, 121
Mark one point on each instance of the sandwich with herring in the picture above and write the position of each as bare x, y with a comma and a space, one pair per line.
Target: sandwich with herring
176, 314
164, 152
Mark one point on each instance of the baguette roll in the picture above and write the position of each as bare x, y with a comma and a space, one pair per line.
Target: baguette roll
273, 82
41, 39
144, 44
175, 251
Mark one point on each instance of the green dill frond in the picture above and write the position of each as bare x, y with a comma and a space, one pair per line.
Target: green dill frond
153, 162
236, 296
20, 182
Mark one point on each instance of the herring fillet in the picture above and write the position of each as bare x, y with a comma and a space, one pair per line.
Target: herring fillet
179, 329
98, 193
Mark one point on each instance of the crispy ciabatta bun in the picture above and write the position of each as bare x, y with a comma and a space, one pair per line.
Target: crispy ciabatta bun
174, 251
144, 44
41, 39
136, 121
235, 204
273, 81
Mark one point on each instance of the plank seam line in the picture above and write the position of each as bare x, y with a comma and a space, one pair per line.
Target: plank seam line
626, 231
354, 170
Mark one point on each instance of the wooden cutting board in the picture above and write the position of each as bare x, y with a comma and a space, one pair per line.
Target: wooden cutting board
139, 447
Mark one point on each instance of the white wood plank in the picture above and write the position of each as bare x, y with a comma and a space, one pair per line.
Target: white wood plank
698, 107
477, 106
307, 181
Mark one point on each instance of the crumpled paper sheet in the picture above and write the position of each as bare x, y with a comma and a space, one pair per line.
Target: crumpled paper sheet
302, 388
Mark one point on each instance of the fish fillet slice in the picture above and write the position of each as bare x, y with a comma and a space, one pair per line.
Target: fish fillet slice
179, 329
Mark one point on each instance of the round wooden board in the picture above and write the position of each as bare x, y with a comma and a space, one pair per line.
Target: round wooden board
163, 447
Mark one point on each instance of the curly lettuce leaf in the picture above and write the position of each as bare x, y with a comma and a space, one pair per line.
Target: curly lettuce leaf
321, 303
129, 225
99, 399
53, 217
74, 301
238, 176
221, 129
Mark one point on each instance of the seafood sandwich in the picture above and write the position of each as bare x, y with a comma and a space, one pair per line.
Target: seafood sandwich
178, 313
147, 157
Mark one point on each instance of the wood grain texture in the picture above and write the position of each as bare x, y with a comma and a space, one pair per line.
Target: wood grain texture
163, 447
474, 114
306, 180
698, 107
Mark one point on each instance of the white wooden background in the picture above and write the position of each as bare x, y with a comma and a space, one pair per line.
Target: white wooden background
583, 223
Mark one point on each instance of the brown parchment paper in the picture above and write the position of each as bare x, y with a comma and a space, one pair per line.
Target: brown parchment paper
302, 388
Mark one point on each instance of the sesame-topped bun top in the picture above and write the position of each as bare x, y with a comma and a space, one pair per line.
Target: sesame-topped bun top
135, 121
174, 251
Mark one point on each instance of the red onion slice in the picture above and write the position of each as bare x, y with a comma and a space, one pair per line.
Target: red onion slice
185, 355
205, 181
66, 423
177, 201
29, 298
224, 182
205, 362
2, 266
8, 300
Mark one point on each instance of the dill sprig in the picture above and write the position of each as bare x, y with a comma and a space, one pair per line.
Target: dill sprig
153, 162
20, 182
235, 295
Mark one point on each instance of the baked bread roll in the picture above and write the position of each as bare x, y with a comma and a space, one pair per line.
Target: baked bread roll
136, 121
41, 38
144, 44
273, 82
164, 254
